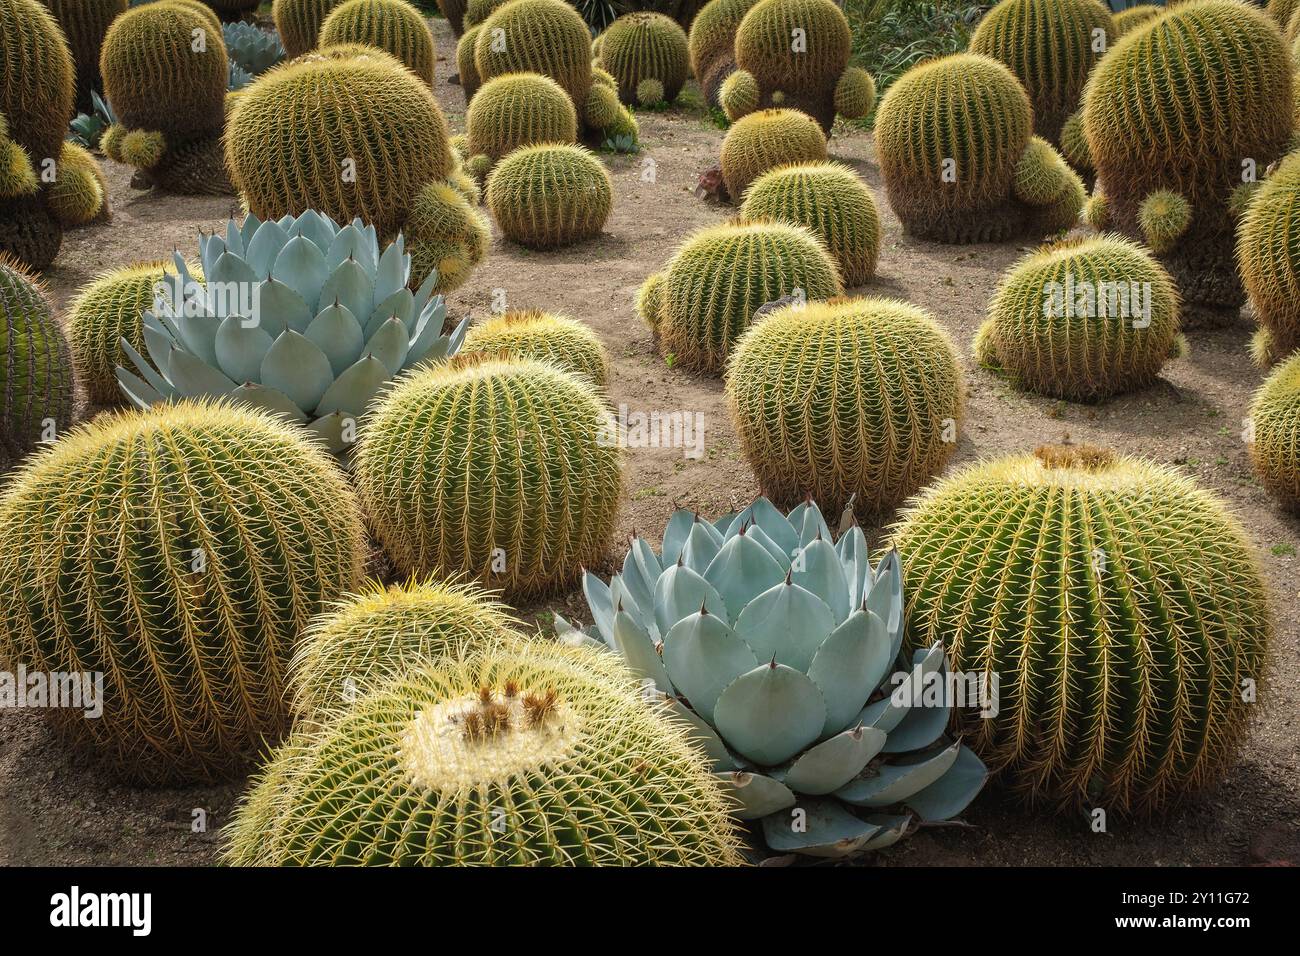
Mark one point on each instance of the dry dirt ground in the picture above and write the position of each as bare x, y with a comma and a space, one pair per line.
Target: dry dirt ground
57, 809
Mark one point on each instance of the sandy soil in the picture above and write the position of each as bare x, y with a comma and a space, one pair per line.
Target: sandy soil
57, 809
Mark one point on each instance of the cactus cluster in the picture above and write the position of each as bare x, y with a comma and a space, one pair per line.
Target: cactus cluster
1268, 258
520, 491
85, 23
532, 334
1122, 607
393, 26
711, 44
187, 594
1275, 432
767, 139
549, 196
641, 50
299, 21
79, 193
517, 109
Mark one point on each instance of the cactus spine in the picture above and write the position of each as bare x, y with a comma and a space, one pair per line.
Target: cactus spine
393, 26
299, 21
518, 109
549, 196
1268, 258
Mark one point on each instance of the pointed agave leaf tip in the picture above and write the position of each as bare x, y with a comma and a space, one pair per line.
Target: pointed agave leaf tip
772, 664
743, 526
619, 608
789, 576
704, 611
680, 562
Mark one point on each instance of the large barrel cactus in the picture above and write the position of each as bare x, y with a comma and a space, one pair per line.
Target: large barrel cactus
780, 651
520, 491
767, 139
1082, 319
857, 399
1175, 124
393, 26
549, 196
711, 43
1121, 608
709, 291
532, 334
85, 23
1275, 432
517, 109
1134, 17
1268, 258
642, 49
178, 552
299, 21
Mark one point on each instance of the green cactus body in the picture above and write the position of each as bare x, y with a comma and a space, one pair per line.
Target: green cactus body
36, 390
449, 237
1084, 319
767, 139
393, 26
477, 11
508, 757
1169, 109
185, 579
299, 21
857, 397
711, 43
1282, 10
79, 194
549, 196
532, 334
1051, 46
466, 70
1275, 427
537, 36
645, 46
1121, 606
1268, 257
830, 200
84, 23
722, 275
454, 12
520, 493
518, 109
1128, 20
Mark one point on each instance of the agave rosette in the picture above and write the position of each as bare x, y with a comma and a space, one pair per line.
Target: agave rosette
781, 650
300, 316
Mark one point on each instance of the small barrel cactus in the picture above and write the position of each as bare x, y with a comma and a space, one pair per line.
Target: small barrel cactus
477, 11
1128, 20
1120, 606
779, 650
1268, 258
517, 109
36, 389
207, 537
1275, 432
521, 492
644, 46
532, 334
299, 21
79, 193
711, 44
466, 70
830, 200
393, 26
549, 196
507, 757
766, 139
888, 389
84, 24
1083, 319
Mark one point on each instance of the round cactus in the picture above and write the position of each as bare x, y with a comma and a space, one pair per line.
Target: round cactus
566, 343
35, 369
206, 538
84, 23
447, 234
393, 26
581, 769
1128, 20
476, 11
299, 21
79, 193
887, 388
1268, 256
830, 200
766, 139
1083, 319
484, 505
466, 71
1074, 143
537, 36
1120, 606
1282, 10
1275, 427
645, 46
549, 196
518, 109
454, 13
711, 44
1169, 110
722, 275
1051, 46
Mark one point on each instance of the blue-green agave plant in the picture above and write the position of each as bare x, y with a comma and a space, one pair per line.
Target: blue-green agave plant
781, 651
300, 316
254, 50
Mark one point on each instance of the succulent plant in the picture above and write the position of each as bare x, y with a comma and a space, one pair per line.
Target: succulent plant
1074, 143
36, 389
477, 11
517, 109
780, 652
87, 129
207, 537
1268, 258
532, 334
1130, 19
711, 44
84, 24
453, 11
520, 493
645, 46
393, 26
315, 341
887, 390
767, 139
829, 199
710, 289
254, 49
299, 21
1051, 46
549, 196
79, 193
1169, 112
1275, 432
580, 770
1122, 606
466, 70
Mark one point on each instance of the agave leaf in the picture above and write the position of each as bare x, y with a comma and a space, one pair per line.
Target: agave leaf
756, 795
807, 520
639, 652
786, 623
703, 543
199, 336
336, 332
262, 247
298, 368
848, 666
234, 240
889, 712
953, 792
194, 378
763, 514
782, 558
624, 599
680, 592
886, 599
350, 286
742, 570
401, 304
817, 567
424, 295
301, 266
241, 349
833, 763
700, 733
679, 526
601, 603
392, 272
353, 390
248, 229
634, 578
770, 713
280, 308
703, 656
353, 242
329, 429
566, 633
227, 270
892, 829
312, 225
155, 381
856, 561
821, 828
158, 342
270, 399
920, 727
893, 783
389, 344
140, 394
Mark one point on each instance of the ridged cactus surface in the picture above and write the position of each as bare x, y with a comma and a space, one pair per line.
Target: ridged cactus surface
179, 552
766, 139
711, 43
1275, 423
37, 80
103, 313
466, 69
393, 26
84, 23
645, 46
299, 21
1268, 258
36, 390
537, 36
549, 196
79, 193
518, 109
1134, 17
856, 397
566, 343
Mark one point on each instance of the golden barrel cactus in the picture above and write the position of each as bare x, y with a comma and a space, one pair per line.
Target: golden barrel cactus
1275, 432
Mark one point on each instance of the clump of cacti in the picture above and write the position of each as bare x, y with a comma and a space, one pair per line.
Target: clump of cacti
766, 139
532, 334
517, 109
711, 44
1120, 607
1275, 432
393, 26
708, 293
959, 158
1130, 19
549, 196
165, 72
299, 21
186, 595
795, 53
1175, 125
79, 193
523, 492
84, 24
36, 376
833, 202
1268, 258
509, 756
1082, 319
888, 388
645, 48
1051, 46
